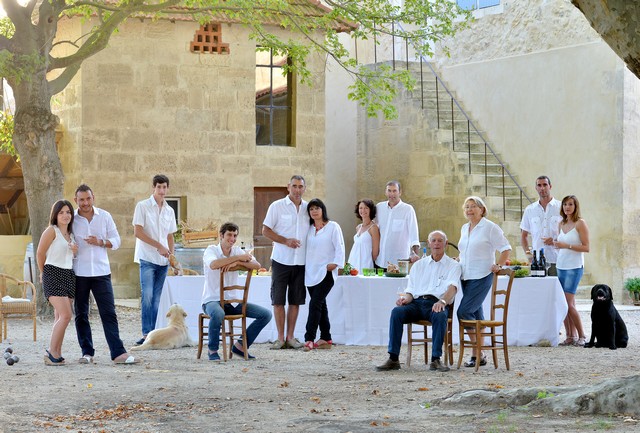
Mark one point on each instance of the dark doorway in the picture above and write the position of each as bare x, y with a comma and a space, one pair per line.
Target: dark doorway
263, 196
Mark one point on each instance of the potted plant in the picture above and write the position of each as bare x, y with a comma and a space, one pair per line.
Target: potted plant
633, 286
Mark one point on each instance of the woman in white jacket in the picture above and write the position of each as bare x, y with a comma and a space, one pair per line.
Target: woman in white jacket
325, 253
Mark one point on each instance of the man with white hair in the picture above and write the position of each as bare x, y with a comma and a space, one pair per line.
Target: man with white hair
433, 284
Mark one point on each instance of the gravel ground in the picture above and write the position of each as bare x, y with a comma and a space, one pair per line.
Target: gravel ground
335, 390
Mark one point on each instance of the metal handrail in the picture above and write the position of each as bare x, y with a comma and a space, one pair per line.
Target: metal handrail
470, 124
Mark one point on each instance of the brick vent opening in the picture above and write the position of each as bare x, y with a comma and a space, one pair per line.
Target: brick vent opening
208, 39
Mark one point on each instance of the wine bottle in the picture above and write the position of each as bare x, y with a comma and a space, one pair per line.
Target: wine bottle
534, 265
542, 264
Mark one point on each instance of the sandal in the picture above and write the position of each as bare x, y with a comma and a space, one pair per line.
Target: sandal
569, 341
323, 344
309, 346
50, 360
580, 342
86, 359
472, 362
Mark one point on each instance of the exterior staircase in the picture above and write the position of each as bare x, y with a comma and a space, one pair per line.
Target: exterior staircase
486, 173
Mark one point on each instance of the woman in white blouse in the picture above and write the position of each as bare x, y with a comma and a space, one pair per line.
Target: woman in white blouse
479, 241
572, 243
325, 252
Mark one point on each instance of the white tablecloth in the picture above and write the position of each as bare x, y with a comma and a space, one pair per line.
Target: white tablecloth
359, 308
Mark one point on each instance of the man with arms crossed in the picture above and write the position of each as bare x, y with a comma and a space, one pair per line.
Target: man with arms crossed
224, 256
95, 232
154, 224
398, 228
541, 219
433, 283
286, 224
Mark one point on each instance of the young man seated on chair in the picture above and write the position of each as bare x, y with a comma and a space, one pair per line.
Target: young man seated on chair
433, 283
224, 256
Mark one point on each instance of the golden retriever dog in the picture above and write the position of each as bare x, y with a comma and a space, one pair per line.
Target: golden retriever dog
174, 336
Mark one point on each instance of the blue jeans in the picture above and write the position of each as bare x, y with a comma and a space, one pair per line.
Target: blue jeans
103, 294
569, 279
473, 294
151, 281
419, 309
213, 309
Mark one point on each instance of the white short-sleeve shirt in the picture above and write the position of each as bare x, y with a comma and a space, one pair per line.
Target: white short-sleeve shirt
428, 277
287, 221
157, 223
541, 223
93, 260
211, 291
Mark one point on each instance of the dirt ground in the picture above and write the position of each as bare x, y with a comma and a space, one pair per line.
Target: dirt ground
334, 390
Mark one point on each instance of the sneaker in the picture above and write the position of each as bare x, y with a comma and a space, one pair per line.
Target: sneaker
278, 344
389, 365
140, 341
437, 365
214, 356
86, 359
294, 343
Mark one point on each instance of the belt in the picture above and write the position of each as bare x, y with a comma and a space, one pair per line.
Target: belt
429, 297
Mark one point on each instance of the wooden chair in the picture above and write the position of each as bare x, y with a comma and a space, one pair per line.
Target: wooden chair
424, 339
22, 306
226, 327
495, 329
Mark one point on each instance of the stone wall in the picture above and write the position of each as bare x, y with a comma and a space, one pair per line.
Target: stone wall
147, 105
554, 99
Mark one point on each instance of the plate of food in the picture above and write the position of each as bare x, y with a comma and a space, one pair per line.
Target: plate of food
394, 274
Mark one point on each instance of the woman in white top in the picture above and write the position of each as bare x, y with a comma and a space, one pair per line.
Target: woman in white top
325, 252
479, 241
572, 243
56, 251
366, 242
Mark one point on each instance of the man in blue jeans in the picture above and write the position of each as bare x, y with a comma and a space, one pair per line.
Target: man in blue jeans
224, 256
95, 233
154, 224
433, 283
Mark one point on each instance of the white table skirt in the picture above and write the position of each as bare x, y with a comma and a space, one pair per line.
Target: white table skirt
359, 308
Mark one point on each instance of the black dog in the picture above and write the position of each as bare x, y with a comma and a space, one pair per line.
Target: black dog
607, 327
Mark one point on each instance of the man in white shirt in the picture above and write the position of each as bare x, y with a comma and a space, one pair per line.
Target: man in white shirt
541, 219
398, 224
222, 257
154, 224
286, 224
95, 232
433, 283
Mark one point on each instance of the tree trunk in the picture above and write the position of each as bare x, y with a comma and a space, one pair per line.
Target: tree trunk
34, 139
613, 396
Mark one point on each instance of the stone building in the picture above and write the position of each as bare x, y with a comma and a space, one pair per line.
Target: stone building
549, 97
152, 104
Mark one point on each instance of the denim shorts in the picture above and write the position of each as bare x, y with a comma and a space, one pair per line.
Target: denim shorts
569, 279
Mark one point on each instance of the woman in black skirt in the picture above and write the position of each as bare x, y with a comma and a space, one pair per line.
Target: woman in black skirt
56, 251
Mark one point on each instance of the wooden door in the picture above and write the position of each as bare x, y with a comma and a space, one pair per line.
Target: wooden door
263, 196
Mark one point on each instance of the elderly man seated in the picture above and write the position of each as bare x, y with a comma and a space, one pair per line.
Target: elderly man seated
433, 283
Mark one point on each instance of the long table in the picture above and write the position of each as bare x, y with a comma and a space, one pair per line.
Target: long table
359, 308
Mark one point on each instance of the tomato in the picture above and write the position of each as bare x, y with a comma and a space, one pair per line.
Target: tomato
353, 272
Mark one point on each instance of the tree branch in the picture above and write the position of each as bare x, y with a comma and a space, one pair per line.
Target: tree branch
58, 84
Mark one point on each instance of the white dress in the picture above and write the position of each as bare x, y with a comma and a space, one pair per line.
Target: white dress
360, 256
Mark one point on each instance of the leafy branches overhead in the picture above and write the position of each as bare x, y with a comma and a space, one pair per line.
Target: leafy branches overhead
296, 28
6, 134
